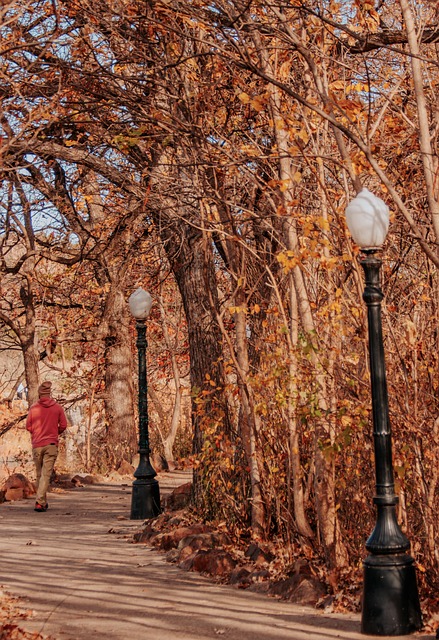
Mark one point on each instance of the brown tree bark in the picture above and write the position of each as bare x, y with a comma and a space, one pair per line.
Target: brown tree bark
192, 264
121, 441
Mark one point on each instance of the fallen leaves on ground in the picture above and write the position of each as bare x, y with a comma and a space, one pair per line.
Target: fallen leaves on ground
10, 616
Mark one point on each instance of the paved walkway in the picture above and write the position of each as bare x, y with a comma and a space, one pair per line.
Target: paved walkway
76, 570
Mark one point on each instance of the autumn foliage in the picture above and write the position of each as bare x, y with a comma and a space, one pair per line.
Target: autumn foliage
208, 151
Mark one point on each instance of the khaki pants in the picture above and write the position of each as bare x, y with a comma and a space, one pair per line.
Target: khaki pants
44, 459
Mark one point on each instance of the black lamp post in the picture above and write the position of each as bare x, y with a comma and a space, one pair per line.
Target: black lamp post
145, 501
390, 594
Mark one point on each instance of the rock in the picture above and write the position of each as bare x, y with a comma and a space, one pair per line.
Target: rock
176, 519
63, 477
14, 494
179, 498
187, 561
240, 577
162, 520
147, 532
260, 575
309, 591
172, 555
214, 562
204, 540
302, 566
260, 587
259, 581
15, 481
171, 539
222, 538
196, 541
284, 588
145, 537
80, 481
247, 578
257, 555
65, 484
300, 589
326, 603
184, 554
69, 480
112, 477
18, 481
125, 469
159, 462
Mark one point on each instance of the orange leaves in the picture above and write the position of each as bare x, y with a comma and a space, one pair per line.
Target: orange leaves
250, 150
360, 164
209, 380
259, 103
314, 243
352, 108
233, 310
359, 87
346, 96
302, 136
337, 85
282, 184
322, 223
288, 259
9, 614
130, 139
367, 15
72, 8
284, 69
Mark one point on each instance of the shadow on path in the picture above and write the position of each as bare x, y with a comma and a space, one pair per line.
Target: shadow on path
76, 569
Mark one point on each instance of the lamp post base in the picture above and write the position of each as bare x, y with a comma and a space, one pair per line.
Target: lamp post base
390, 596
145, 499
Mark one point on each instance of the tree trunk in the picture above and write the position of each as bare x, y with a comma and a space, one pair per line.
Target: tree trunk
248, 425
324, 481
195, 278
169, 439
191, 260
30, 359
168, 442
121, 441
27, 341
295, 463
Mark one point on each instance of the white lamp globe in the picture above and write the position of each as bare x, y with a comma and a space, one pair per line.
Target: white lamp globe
140, 303
367, 218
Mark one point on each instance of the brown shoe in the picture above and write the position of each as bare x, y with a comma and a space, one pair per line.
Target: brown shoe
39, 507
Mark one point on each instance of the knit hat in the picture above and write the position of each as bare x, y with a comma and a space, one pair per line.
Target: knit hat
45, 388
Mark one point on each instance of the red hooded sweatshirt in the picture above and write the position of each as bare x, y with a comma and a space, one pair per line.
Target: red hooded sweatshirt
45, 421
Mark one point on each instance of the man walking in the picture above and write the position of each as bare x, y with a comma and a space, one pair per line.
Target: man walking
45, 421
